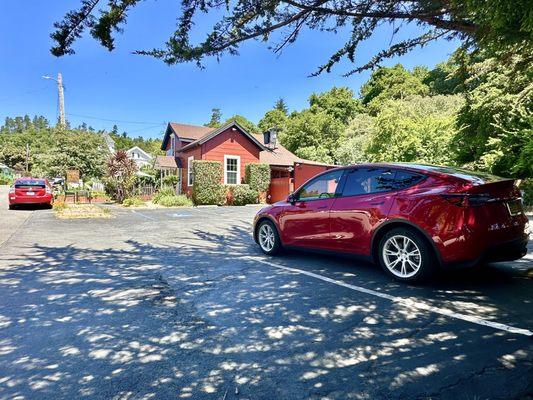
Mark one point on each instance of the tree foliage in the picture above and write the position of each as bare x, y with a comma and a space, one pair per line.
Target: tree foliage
216, 116
120, 176
502, 27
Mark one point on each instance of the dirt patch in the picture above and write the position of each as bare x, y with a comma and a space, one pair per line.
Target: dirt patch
82, 211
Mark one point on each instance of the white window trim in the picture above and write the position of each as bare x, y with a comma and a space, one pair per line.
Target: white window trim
230, 157
189, 170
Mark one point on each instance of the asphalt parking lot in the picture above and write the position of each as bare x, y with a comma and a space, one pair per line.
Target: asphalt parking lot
180, 303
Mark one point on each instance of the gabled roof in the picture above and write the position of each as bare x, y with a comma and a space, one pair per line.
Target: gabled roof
211, 135
185, 132
138, 149
165, 162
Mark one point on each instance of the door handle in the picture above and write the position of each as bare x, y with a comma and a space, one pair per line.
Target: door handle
321, 207
378, 203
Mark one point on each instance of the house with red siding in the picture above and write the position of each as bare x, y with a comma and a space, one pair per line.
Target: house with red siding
234, 147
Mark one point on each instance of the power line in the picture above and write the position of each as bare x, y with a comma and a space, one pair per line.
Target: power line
117, 120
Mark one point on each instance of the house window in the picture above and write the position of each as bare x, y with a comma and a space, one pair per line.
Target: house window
190, 175
232, 170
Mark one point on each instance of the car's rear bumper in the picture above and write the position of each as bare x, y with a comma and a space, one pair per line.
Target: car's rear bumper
46, 199
505, 251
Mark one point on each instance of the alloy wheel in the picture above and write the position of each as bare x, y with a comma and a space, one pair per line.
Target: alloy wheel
267, 238
402, 256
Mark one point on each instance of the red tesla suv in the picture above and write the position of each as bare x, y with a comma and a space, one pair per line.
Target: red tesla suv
30, 191
411, 218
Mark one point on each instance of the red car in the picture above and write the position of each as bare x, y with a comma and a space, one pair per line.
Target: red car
30, 191
411, 218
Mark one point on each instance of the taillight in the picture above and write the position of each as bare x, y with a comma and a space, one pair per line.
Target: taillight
472, 200
458, 200
12, 190
479, 199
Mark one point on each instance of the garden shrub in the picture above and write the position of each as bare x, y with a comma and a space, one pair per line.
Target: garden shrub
132, 202
6, 180
207, 188
175, 201
171, 180
163, 192
258, 176
244, 194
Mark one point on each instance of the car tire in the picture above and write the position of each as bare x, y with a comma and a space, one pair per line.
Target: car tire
11, 206
268, 238
406, 256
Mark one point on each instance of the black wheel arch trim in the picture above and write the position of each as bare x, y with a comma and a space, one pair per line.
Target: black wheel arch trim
399, 221
268, 218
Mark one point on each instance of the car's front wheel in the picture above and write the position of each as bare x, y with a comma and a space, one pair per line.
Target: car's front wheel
405, 256
268, 238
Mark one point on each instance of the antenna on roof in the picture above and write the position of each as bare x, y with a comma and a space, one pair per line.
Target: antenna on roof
270, 137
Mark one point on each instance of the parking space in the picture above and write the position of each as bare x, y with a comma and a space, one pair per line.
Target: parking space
180, 303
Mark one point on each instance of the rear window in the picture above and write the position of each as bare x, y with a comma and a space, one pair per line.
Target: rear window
30, 182
405, 179
477, 178
368, 180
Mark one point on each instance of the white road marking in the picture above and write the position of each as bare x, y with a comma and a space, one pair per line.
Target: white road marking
142, 215
418, 304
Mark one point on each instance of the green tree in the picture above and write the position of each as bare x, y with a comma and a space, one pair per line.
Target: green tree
339, 102
497, 119
216, 116
242, 121
417, 129
503, 27
273, 119
313, 134
281, 105
358, 136
390, 83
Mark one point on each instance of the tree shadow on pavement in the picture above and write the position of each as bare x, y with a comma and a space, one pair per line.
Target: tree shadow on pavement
195, 320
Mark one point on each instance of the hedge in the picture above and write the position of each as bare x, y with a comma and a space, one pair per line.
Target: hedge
175, 201
244, 194
258, 176
207, 187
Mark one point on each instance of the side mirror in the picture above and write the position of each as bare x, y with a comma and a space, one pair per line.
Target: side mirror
291, 198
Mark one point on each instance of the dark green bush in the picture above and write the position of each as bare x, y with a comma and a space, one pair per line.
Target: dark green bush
171, 180
163, 192
207, 187
244, 194
258, 176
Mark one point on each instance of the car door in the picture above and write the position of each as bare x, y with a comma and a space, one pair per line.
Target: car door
364, 202
305, 221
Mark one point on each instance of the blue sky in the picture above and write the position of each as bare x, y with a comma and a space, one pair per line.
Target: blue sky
128, 89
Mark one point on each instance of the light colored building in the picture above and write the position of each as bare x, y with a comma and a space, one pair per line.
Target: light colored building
139, 156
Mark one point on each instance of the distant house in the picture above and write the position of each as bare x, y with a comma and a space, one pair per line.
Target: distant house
234, 147
139, 156
110, 143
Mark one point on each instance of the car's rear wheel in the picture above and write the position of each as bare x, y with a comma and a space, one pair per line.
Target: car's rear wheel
405, 256
268, 238
11, 206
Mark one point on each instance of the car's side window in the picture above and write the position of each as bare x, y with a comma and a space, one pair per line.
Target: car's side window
405, 179
368, 180
322, 187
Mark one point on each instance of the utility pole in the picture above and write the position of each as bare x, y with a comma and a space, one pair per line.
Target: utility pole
61, 100
61, 97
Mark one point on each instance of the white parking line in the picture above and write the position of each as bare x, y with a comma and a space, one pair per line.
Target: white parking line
418, 304
142, 215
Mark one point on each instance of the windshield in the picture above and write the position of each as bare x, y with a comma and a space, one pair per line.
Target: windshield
30, 182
